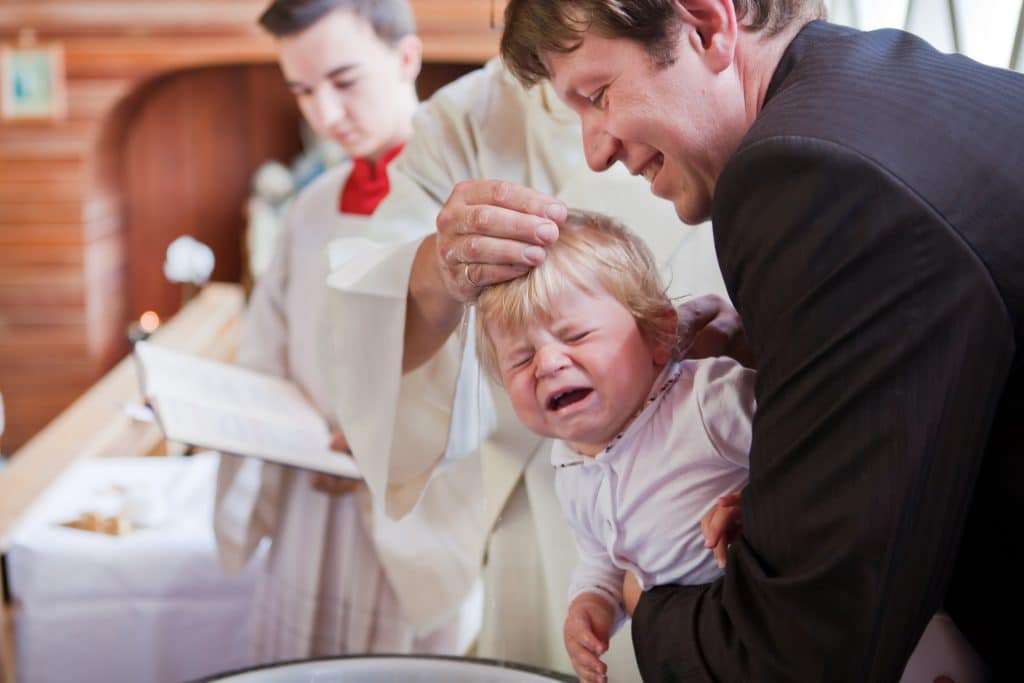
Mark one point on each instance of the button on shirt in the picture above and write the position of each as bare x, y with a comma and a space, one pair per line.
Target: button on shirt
637, 505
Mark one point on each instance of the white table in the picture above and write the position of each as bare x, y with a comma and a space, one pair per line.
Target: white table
152, 605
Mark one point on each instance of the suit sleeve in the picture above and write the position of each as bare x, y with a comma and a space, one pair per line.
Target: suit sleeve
882, 346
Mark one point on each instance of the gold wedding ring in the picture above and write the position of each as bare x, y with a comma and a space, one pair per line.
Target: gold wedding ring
469, 278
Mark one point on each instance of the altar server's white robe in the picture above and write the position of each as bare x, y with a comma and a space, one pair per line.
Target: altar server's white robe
324, 589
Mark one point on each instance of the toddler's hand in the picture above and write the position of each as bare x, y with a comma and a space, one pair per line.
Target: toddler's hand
586, 632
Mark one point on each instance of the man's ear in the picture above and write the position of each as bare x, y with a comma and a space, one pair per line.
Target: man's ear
663, 335
410, 57
710, 28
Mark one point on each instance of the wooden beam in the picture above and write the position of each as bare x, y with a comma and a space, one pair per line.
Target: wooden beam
70, 16
142, 56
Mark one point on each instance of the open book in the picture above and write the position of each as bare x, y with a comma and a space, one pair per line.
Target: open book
215, 405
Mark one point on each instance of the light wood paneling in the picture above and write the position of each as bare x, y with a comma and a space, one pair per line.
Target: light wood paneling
158, 35
41, 235
40, 255
42, 170
36, 191
71, 17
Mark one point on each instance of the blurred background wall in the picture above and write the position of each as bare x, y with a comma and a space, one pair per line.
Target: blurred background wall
170, 106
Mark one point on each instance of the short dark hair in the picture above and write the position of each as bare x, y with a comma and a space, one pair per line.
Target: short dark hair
534, 28
391, 20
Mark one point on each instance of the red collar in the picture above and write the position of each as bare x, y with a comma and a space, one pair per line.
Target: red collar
367, 184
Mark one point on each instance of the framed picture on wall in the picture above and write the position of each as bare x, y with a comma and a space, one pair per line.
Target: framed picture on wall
32, 82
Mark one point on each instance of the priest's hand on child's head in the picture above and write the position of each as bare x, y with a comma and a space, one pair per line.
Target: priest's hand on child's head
490, 231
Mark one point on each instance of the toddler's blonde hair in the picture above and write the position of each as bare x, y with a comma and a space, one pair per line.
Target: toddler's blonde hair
593, 252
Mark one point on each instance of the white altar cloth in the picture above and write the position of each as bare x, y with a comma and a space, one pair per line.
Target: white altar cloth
152, 605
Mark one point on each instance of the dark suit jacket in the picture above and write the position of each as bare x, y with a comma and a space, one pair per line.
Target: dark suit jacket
870, 229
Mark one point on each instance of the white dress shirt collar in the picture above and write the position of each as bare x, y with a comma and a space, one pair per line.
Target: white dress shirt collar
563, 454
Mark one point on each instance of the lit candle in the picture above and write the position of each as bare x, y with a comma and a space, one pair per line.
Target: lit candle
149, 321
143, 327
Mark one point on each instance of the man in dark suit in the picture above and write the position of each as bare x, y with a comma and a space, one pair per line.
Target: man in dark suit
866, 194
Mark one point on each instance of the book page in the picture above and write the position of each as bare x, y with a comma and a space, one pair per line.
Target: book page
164, 372
227, 430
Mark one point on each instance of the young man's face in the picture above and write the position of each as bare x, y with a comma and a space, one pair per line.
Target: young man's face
352, 87
674, 125
580, 376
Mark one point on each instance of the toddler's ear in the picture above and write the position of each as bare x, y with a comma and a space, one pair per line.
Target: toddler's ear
664, 336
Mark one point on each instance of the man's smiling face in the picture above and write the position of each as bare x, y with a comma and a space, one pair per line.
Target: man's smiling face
673, 124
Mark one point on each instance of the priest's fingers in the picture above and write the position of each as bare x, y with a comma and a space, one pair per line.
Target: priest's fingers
491, 251
470, 262
459, 217
500, 193
490, 231
481, 275
333, 486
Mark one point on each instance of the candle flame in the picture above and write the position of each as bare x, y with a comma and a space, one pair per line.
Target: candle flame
149, 321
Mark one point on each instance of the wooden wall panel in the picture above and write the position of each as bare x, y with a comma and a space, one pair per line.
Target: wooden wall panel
40, 170
41, 236
17, 213
24, 142
90, 98
190, 153
70, 227
40, 285
40, 255
72, 17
